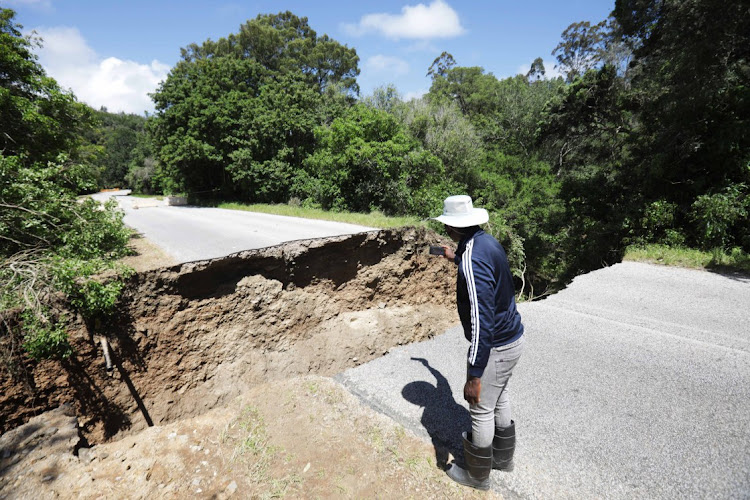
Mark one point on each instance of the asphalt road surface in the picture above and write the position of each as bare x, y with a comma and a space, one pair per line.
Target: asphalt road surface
196, 233
635, 383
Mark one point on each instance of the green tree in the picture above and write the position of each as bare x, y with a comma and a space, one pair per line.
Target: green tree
237, 115
470, 88
441, 65
385, 98
115, 137
38, 119
536, 71
584, 136
616, 49
141, 175
691, 94
504, 112
587, 123
445, 132
50, 241
580, 49
524, 195
365, 161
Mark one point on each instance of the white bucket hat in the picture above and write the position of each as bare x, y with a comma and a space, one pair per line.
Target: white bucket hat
459, 211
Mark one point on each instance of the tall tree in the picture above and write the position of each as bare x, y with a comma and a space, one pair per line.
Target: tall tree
385, 98
38, 119
692, 96
584, 134
580, 48
694, 79
441, 65
445, 132
366, 161
537, 71
116, 136
50, 241
238, 114
504, 112
616, 49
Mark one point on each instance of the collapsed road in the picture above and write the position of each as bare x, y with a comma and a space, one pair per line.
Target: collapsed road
635, 382
188, 338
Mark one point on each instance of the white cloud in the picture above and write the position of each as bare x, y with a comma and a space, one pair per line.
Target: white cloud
437, 20
114, 83
550, 71
387, 64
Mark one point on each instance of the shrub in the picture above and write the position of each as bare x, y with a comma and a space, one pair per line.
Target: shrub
716, 216
365, 161
92, 294
44, 339
658, 217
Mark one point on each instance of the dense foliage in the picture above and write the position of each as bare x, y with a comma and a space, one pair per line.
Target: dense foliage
50, 241
691, 92
237, 116
39, 119
366, 161
119, 144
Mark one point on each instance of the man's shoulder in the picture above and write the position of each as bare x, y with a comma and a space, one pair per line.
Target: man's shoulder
485, 247
486, 240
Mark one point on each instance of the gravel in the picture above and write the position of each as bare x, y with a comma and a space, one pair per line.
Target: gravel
635, 383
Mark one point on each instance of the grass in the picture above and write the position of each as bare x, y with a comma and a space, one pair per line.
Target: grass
251, 443
138, 195
373, 219
734, 259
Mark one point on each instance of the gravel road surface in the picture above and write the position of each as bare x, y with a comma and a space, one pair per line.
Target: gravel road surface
196, 233
635, 383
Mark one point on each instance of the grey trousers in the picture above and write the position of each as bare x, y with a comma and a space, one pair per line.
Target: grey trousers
493, 409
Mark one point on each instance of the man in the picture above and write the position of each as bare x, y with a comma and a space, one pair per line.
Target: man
485, 296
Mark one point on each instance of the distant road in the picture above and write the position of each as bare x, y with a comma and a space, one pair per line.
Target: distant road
197, 233
635, 384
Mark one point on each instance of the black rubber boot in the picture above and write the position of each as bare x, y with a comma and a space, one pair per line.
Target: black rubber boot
503, 446
478, 463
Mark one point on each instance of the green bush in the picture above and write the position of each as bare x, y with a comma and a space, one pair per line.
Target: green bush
50, 241
98, 232
365, 161
92, 294
43, 338
657, 218
716, 216
512, 243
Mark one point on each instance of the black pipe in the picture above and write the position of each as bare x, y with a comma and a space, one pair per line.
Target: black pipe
107, 357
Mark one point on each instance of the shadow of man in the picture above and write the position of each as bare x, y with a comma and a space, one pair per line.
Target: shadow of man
442, 418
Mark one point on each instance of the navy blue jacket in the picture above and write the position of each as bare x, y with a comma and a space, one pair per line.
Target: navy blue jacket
486, 297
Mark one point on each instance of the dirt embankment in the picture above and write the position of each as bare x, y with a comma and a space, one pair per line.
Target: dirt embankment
304, 437
193, 337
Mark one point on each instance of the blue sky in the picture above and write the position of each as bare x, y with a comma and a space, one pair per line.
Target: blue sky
113, 52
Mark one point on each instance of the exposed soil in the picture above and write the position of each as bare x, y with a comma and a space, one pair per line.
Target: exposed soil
197, 346
299, 438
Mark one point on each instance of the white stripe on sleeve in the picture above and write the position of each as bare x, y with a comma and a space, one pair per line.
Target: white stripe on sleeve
473, 302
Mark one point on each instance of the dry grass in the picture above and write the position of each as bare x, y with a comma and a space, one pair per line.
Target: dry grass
146, 255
